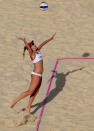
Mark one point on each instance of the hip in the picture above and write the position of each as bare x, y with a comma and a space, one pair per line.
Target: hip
37, 74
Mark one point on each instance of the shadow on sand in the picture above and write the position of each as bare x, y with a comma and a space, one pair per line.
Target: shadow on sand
60, 83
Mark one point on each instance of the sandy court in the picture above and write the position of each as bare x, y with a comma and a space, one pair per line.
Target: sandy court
70, 105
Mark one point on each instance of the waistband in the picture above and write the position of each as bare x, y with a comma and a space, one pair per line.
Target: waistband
34, 73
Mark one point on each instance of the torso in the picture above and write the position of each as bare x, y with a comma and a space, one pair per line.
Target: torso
38, 66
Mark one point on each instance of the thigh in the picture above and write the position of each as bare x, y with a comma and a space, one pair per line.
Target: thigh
35, 82
35, 92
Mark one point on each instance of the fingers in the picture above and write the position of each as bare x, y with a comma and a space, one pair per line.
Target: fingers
53, 35
20, 38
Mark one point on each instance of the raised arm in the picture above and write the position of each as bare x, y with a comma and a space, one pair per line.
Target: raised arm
46, 41
26, 44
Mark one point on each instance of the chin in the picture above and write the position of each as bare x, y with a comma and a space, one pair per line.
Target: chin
34, 50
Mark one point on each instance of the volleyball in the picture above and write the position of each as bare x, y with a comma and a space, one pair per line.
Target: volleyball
43, 6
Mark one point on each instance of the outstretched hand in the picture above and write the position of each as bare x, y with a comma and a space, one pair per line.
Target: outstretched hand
20, 38
53, 35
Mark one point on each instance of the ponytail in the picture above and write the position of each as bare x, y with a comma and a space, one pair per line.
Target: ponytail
25, 48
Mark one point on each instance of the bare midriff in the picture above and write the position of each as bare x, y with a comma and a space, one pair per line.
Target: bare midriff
38, 67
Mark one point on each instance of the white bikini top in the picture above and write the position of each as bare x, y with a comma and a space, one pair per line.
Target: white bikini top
37, 58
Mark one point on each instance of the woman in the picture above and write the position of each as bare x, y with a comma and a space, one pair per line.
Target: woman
36, 75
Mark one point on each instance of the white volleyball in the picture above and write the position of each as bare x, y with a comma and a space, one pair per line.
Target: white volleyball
43, 6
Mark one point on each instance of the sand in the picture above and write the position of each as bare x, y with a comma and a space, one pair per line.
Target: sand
70, 105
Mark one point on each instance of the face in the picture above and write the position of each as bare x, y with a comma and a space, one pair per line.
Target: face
34, 47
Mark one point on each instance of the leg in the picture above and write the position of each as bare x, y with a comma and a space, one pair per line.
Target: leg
33, 84
32, 97
24, 94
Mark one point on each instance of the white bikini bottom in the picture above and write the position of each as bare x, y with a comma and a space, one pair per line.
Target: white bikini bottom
34, 73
